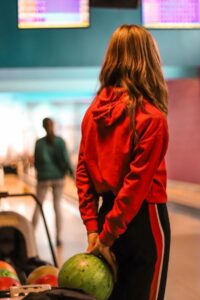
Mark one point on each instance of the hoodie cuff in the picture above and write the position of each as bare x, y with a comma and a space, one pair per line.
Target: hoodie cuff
91, 226
107, 238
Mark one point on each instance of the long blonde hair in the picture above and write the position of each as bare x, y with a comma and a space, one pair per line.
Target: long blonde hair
132, 61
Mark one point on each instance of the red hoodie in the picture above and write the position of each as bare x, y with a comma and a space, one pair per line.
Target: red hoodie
109, 161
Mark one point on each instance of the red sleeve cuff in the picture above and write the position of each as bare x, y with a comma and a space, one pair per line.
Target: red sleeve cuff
107, 238
91, 225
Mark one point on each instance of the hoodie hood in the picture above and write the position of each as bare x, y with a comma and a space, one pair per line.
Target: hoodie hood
109, 106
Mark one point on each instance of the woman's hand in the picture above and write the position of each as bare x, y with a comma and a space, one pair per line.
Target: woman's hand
100, 248
92, 238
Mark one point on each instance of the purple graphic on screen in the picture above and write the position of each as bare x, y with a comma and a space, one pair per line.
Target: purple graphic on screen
53, 13
171, 11
63, 6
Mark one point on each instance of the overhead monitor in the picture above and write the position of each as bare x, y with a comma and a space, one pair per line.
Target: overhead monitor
115, 3
53, 13
171, 13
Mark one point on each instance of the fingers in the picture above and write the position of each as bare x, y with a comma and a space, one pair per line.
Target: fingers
113, 256
110, 258
99, 248
90, 249
92, 239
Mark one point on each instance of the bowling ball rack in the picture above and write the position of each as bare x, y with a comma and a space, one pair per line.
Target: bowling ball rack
43, 292
7, 195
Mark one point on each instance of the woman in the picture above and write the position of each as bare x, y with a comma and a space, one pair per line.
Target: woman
121, 159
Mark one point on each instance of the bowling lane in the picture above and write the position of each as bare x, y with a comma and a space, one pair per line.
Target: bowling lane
184, 271
73, 232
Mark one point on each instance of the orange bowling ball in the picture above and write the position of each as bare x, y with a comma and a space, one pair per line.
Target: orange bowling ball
6, 266
48, 279
7, 282
43, 274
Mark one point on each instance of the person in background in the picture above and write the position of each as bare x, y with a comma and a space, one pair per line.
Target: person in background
52, 163
122, 159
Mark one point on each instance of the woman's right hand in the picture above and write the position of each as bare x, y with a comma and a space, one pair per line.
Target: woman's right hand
97, 248
92, 239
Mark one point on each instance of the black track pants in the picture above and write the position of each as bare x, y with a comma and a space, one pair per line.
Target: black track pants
142, 253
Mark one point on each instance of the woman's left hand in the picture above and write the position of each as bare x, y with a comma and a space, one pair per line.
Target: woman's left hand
100, 248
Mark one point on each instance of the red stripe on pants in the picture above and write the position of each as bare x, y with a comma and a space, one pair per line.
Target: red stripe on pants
157, 234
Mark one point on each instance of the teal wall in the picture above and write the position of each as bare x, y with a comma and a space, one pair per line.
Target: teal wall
84, 47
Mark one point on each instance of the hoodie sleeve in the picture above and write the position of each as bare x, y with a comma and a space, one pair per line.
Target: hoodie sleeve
88, 198
147, 156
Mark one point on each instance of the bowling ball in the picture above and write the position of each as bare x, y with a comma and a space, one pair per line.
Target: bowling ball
6, 273
88, 273
7, 282
41, 272
5, 266
47, 279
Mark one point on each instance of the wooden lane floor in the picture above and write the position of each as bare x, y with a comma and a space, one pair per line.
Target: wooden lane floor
184, 193
184, 271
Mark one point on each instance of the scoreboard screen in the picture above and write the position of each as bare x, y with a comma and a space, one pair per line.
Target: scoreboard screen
53, 13
171, 13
